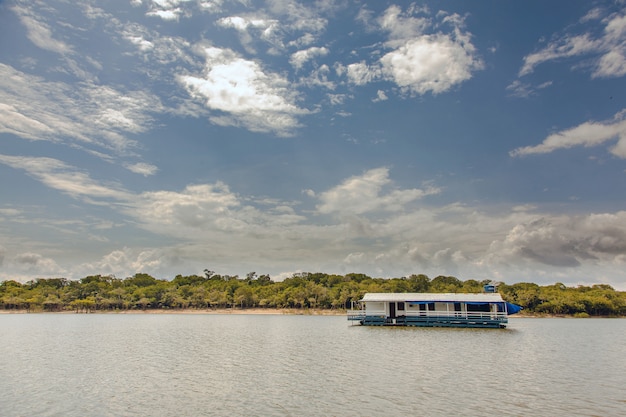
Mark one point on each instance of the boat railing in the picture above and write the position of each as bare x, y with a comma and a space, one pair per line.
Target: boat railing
468, 315
479, 315
360, 314
357, 314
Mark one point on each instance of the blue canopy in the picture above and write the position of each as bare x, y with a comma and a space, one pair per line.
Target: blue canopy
473, 303
513, 308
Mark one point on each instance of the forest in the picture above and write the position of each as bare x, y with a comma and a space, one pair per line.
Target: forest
305, 290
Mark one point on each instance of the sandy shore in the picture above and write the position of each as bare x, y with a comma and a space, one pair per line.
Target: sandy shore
239, 311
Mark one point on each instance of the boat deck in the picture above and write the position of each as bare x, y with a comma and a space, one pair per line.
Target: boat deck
432, 319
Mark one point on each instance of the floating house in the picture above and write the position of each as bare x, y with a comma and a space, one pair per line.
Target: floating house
485, 310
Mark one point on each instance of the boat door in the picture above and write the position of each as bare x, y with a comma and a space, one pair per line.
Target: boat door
392, 310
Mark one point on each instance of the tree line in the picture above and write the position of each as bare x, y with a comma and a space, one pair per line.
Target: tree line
301, 291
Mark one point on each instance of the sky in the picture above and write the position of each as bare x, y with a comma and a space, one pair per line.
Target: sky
482, 140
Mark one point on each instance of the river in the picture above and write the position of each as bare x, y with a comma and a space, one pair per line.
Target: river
155, 365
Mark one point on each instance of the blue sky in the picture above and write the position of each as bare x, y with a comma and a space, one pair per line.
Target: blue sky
484, 140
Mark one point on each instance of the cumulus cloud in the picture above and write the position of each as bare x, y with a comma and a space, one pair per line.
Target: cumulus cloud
420, 62
240, 92
299, 58
403, 25
167, 9
360, 73
430, 64
300, 17
606, 51
380, 96
292, 24
129, 261
563, 241
198, 208
369, 192
154, 48
586, 134
211, 218
251, 28
28, 264
173, 10
319, 77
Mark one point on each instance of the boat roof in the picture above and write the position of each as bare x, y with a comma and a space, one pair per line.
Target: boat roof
432, 297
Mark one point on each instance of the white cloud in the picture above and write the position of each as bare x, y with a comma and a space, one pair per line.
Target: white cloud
25, 265
10, 212
587, 134
173, 10
611, 64
142, 44
292, 24
319, 77
524, 90
251, 28
563, 241
155, 48
370, 192
430, 64
67, 179
380, 96
402, 26
142, 168
242, 24
239, 92
360, 235
360, 73
40, 33
301, 16
88, 115
419, 62
167, 9
198, 206
606, 52
299, 58
170, 14
212, 6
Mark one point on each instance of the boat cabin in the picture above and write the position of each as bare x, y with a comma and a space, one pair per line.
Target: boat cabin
433, 310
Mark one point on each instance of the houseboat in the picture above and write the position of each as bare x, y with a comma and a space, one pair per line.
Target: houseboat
484, 310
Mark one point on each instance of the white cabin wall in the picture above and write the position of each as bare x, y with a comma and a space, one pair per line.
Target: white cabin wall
375, 307
412, 309
442, 307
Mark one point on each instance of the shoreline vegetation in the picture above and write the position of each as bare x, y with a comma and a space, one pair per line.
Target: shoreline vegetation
260, 311
197, 311
302, 294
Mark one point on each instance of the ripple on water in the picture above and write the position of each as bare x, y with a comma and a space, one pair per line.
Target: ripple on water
211, 365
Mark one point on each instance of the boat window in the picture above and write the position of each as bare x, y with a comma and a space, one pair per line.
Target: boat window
484, 308
422, 307
431, 306
400, 305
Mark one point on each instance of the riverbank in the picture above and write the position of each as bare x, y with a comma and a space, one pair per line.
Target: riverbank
236, 311
257, 311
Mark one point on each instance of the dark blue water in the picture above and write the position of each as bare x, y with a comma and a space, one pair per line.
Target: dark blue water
279, 365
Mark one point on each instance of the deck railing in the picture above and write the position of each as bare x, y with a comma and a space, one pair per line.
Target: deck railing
465, 315
357, 314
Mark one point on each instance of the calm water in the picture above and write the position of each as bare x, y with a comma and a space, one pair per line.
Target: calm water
244, 365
